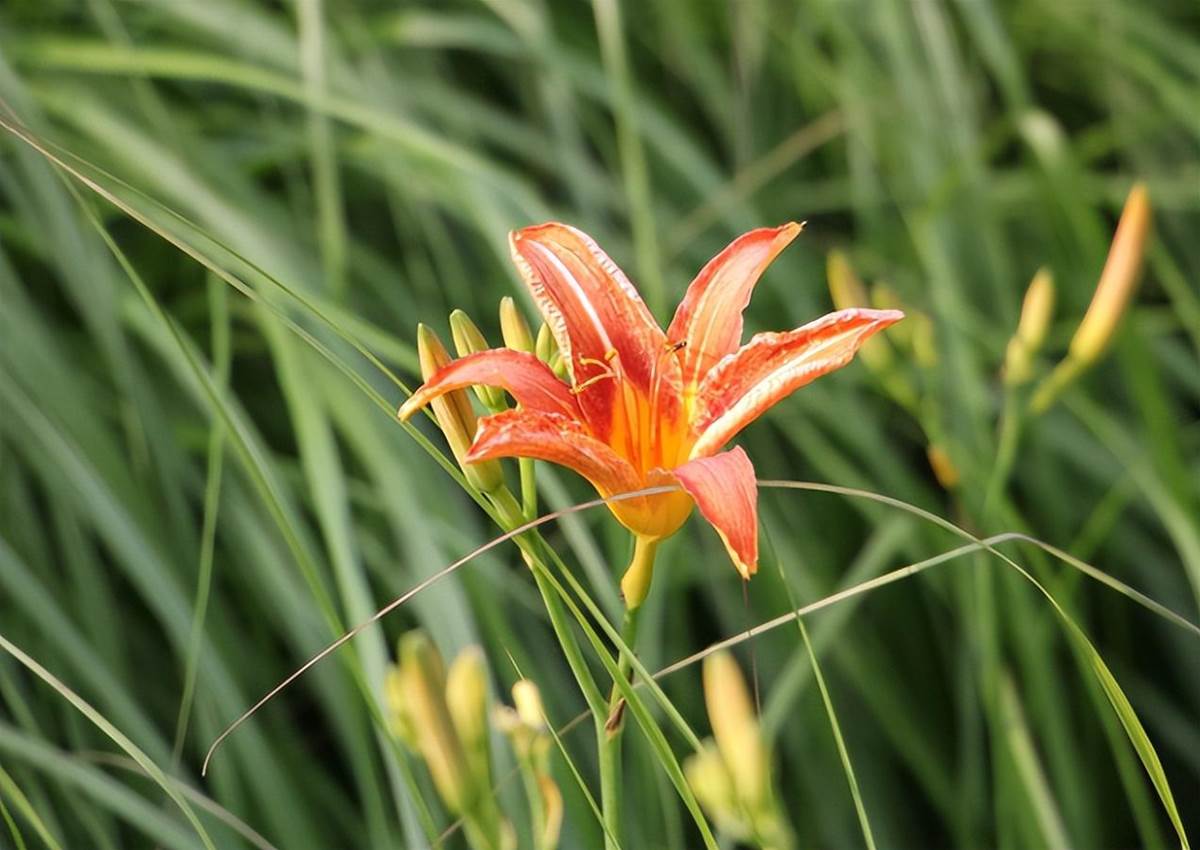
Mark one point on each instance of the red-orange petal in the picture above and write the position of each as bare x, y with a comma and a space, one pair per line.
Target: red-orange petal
709, 319
557, 439
724, 489
605, 332
744, 385
530, 381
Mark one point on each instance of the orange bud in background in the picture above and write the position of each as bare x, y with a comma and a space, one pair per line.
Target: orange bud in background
1118, 281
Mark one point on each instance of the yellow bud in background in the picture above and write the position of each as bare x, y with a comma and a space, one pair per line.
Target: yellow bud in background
735, 729
398, 720
528, 700
552, 812
844, 285
424, 683
468, 339
1118, 281
1036, 311
513, 327
454, 415
709, 780
467, 699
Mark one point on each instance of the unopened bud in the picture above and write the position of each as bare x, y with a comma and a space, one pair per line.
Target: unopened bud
513, 327
552, 811
735, 729
943, 467
845, 288
467, 699
709, 780
545, 347
1036, 312
1118, 281
424, 683
398, 720
468, 339
528, 700
454, 415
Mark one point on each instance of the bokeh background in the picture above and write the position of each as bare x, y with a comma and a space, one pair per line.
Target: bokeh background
184, 420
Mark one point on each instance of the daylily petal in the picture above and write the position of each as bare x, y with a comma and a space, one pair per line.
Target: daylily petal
555, 438
726, 493
527, 379
745, 384
709, 319
607, 336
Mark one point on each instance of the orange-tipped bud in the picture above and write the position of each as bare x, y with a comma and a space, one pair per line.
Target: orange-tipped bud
454, 415
468, 339
1118, 281
513, 326
1036, 311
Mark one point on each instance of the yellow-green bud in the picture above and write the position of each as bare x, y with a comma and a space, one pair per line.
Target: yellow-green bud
1036, 312
424, 683
398, 720
546, 346
467, 699
528, 700
844, 285
1118, 281
735, 729
513, 327
455, 415
468, 339
706, 774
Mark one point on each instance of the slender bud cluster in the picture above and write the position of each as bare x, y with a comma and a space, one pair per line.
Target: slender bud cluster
731, 776
443, 717
468, 339
1117, 284
527, 730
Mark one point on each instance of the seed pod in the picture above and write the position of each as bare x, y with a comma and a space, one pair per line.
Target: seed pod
454, 415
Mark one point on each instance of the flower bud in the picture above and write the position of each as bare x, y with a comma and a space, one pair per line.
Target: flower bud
546, 346
467, 699
528, 700
513, 327
845, 287
468, 339
454, 415
398, 719
424, 683
943, 466
1036, 312
1118, 281
709, 780
735, 729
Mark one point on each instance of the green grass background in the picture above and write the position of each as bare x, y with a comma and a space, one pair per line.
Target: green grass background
183, 418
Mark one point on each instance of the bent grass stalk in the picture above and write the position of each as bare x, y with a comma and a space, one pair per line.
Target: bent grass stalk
974, 544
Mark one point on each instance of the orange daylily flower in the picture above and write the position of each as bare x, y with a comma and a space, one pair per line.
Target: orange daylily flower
643, 407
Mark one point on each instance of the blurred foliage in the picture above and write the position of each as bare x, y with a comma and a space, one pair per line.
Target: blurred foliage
237, 212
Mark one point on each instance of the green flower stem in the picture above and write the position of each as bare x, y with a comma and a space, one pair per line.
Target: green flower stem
608, 736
